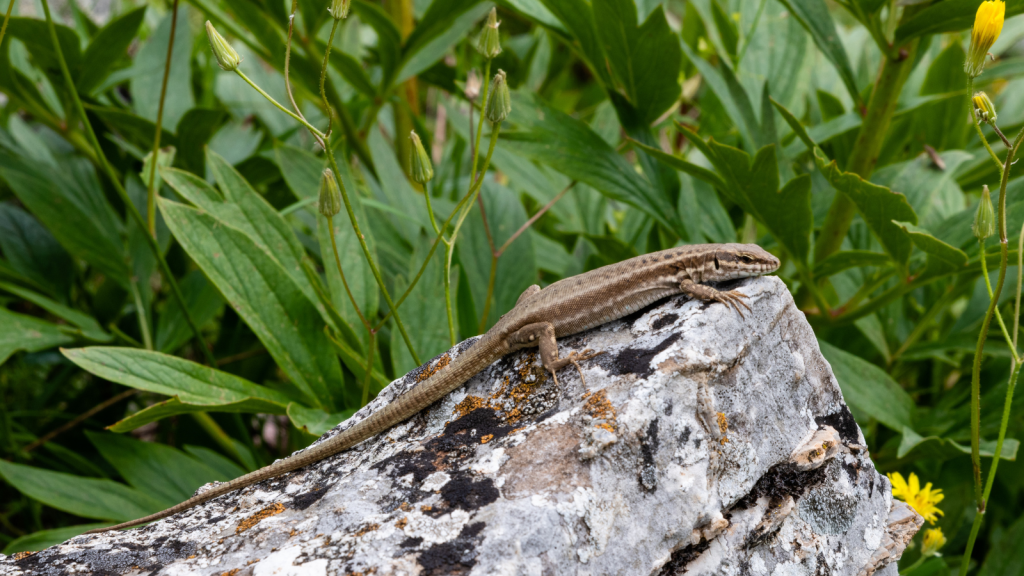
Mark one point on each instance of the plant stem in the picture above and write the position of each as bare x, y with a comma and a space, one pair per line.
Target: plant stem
480, 123
999, 317
150, 191
287, 66
323, 77
79, 419
297, 118
874, 128
341, 272
430, 209
1020, 276
143, 316
369, 368
121, 192
490, 294
210, 426
7, 18
977, 126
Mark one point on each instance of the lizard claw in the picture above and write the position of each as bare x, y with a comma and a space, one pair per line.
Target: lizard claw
734, 299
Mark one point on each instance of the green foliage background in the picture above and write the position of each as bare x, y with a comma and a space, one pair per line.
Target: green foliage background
643, 124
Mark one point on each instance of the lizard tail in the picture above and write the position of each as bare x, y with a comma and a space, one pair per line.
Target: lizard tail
421, 396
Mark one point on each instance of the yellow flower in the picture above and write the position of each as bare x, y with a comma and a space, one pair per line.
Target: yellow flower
988, 23
923, 500
934, 539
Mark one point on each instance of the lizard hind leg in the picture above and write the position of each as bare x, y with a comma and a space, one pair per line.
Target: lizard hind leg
542, 335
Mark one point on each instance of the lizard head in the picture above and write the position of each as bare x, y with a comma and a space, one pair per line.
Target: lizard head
741, 261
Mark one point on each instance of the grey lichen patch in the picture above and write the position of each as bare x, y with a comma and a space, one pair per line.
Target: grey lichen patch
512, 474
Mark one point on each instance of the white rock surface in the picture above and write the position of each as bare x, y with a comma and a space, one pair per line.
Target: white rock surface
702, 443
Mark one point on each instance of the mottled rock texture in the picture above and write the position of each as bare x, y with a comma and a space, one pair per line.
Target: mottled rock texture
701, 443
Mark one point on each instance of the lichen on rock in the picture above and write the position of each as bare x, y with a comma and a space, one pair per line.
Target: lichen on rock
702, 443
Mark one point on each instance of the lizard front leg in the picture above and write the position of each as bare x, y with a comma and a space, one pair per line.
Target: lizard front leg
732, 298
542, 335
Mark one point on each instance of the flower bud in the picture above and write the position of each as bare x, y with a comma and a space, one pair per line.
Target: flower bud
499, 102
488, 44
988, 23
985, 218
934, 540
329, 202
339, 9
226, 56
422, 169
985, 108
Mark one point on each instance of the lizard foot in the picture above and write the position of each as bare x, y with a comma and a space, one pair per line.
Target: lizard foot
575, 358
733, 298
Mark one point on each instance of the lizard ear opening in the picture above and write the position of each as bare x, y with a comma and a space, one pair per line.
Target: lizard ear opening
717, 265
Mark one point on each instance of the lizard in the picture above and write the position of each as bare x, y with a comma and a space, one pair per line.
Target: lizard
539, 317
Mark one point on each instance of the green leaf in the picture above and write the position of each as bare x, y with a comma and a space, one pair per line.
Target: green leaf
20, 332
316, 422
681, 165
840, 261
90, 327
1006, 556
148, 72
425, 309
868, 389
878, 205
108, 47
195, 129
733, 97
439, 29
389, 39
164, 472
215, 461
944, 254
204, 303
87, 497
175, 407
937, 449
932, 192
131, 128
552, 137
578, 19
72, 205
814, 16
352, 71
43, 539
33, 252
946, 16
640, 56
35, 34
265, 296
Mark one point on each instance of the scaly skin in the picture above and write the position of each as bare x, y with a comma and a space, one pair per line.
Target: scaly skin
566, 307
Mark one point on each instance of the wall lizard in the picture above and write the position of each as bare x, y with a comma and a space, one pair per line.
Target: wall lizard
540, 316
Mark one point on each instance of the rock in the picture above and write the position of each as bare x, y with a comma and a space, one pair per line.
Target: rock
701, 443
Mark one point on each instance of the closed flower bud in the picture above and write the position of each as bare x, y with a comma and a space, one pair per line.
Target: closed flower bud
934, 540
488, 44
226, 56
329, 202
422, 169
985, 108
339, 9
988, 23
499, 101
985, 218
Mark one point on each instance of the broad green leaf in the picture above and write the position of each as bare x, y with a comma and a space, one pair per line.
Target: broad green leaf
72, 206
733, 97
424, 309
356, 363
932, 192
88, 325
352, 71
815, 17
134, 130
942, 124
35, 34
441, 26
204, 302
31, 250
868, 389
535, 10
164, 472
316, 422
682, 165
847, 259
43, 539
175, 407
639, 56
878, 205
87, 497
148, 72
20, 332
568, 145
946, 16
195, 129
937, 449
108, 47
389, 39
946, 255
156, 372
578, 18
265, 296
215, 461
1006, 556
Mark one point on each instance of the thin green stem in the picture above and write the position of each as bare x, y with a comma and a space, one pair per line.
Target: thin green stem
341, 272
999, 316
150, 186
747, 36
323, 77
448, 295
1020, 276
490, 294
475, 151
977, 125
924, 322
430, 209
142, 314
369, 368
7, 18
208, 424
270, 98
121, 192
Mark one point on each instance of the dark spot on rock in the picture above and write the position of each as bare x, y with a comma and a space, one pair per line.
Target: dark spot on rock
676, 565
843, 422
780, 481
216, 519
457, 556
668, 408
307, 499
648, 450
464, 493
638, 360
663, 321
411, 542
419, 464
481, 422
685, 436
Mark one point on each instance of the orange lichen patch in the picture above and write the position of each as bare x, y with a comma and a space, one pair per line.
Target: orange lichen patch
723, 427
426, 508
487, 438
258, 517
21, 555
431, 370
469, 404
599, 407
231, 572
402, 523
366, 529
253, 561
405, 507
292, 533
